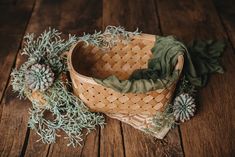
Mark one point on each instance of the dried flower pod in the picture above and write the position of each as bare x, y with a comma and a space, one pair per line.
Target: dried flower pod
56, 64
184, 107
39, 77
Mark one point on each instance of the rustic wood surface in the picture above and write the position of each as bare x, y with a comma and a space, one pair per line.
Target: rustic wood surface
210, 133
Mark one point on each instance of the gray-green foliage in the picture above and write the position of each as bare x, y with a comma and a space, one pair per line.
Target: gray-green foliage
46, 46
109, 37
184, 86
69, 115
62, 111
182, 108
164, 119
43, 50
66, 112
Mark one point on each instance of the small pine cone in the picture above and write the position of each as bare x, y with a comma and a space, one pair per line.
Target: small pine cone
56, 64
184, 107
39, 77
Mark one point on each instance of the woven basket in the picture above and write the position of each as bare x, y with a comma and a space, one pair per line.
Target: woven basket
85, 62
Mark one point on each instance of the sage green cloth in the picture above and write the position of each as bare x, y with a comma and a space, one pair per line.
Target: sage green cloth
200, 59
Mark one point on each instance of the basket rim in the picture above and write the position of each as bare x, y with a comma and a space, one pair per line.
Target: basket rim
84, 78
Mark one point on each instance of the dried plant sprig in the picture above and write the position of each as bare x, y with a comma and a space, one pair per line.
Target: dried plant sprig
109, 38
69, 114
161, 121
164, 119
46, 46
184, 86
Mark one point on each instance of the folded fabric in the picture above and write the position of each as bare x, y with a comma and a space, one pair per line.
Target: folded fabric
201, 59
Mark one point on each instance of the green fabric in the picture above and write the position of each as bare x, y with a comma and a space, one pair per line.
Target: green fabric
200, 60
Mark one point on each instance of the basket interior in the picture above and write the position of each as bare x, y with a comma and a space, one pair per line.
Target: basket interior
121, 60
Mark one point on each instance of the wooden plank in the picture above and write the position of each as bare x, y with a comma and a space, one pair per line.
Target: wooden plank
111, 137
133, 14
211, 131
73, 17
7, 2
226, 10
13, 121
13, 124
111, 141
14, 19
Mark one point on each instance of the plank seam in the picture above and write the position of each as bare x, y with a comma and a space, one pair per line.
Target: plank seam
157, 16
26, 139
99, 132
123, 142
224, 26
48, 151
15, 58
14, 61
181, 140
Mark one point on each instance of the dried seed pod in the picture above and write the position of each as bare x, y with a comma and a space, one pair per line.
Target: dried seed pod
184, 107
39, 77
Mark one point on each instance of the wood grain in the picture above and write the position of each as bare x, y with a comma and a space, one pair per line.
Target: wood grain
14, 19
133, 14
210, 132
7, 2
13, 125
226, 10
13, 121
111, 139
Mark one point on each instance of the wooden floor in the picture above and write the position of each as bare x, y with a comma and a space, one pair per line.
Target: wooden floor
211, 133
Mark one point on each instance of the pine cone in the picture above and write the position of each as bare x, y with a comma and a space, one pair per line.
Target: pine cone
56, 64
184, 107
39, 77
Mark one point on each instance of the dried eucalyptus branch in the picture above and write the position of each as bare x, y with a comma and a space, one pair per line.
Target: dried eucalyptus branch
109, 38
47, 47
41, 72
70, 115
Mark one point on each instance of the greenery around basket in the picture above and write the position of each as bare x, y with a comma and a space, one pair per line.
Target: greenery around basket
63, 112
109, 37
161, 120
183, 104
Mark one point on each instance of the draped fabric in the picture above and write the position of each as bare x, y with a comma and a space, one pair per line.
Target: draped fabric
201, 58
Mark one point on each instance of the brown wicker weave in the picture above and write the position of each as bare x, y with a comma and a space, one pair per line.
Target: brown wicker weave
85, 62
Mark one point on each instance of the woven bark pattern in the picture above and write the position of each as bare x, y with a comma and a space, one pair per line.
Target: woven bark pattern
141, 122
121, 61
100, 99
